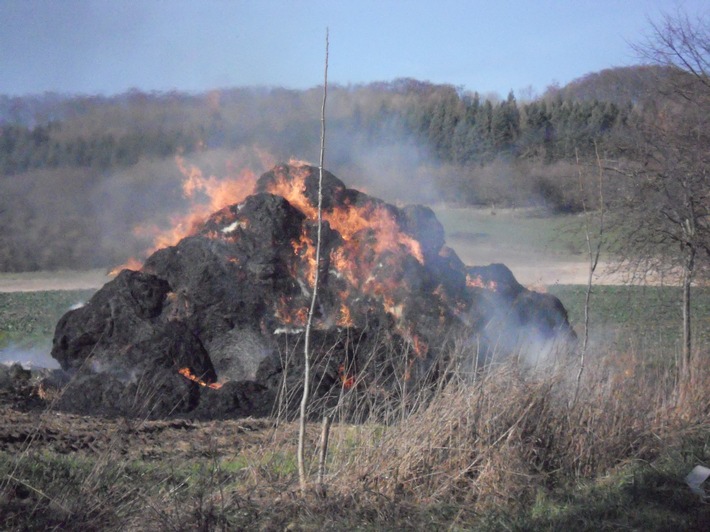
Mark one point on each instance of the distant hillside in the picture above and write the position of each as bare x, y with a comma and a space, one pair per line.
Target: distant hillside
619, 85
78, 173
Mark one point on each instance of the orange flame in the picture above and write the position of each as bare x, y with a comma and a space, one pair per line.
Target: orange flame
347, 380
345, 319
421, 347
131, 264
350, 219
205, 195
187, 373
478, 282
371, 235
288, 315
306, 251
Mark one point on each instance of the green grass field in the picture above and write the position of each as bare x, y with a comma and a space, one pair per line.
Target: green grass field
640, 315
529, 230
28, 319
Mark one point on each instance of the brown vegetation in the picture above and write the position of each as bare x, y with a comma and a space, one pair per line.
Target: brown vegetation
490, 450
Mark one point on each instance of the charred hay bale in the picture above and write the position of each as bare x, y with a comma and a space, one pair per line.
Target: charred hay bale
544, 312
305, 179
230, 302
148, 396
421, 223
236, 354
122, 312
142, 378
512, 319
228, 274
235, 399
498, 277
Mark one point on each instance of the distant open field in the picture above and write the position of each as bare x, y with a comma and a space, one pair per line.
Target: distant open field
60, 280
540, 249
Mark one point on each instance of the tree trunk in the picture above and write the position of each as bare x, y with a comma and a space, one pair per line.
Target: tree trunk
686, 369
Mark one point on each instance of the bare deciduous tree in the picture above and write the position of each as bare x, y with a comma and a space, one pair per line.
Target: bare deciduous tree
664, 206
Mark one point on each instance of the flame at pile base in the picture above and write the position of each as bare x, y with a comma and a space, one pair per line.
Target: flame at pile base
229, 303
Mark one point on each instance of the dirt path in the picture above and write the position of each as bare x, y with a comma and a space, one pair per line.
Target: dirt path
535, 269
529, 270
61, 280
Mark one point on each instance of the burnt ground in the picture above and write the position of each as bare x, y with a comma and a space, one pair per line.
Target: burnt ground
29, 423
62, 433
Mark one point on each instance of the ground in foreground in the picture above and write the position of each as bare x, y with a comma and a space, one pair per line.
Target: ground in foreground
457, 464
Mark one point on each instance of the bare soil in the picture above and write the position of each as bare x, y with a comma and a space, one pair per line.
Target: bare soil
28, 421
64, 433
59, 280
534, 269
530, 270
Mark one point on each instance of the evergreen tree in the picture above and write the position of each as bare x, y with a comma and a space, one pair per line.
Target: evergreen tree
505, 125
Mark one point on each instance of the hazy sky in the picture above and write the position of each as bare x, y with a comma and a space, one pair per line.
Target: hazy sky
109, 46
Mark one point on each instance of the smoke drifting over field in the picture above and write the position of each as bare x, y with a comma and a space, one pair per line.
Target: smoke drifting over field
38, 357
154, 196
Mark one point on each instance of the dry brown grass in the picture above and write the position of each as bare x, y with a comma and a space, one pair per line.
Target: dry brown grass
487, 443
496, 440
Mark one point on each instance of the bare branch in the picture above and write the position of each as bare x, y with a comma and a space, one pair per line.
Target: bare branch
307, 335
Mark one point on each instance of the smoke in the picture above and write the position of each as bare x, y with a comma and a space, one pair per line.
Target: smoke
390, 165
526, 344
34, 357
80, 217
514, 332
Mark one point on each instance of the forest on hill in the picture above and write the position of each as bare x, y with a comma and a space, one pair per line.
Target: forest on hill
79, 173
456, 126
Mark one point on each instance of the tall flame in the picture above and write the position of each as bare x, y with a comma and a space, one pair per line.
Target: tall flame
347, 220
205, 195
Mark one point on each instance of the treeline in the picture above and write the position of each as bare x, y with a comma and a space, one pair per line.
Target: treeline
22, 149
77, 174
456, 126
464, 129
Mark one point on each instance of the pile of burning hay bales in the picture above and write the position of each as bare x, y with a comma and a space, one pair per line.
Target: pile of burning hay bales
213, 326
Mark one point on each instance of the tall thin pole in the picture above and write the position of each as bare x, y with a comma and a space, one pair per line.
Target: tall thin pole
307, 340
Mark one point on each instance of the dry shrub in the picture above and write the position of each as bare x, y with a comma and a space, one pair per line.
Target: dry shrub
497, 439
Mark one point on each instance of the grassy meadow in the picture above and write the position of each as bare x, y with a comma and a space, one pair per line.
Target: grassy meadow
509, 449
28, 318
526, 231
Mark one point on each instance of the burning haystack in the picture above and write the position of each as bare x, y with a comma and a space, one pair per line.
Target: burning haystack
213, 326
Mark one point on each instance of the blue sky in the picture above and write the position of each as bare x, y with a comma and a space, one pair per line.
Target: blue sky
109, 46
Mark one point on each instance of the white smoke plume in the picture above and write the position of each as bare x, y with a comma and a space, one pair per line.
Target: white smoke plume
28, 357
